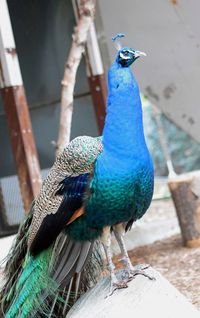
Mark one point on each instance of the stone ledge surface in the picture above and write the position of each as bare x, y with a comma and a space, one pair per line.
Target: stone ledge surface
143, 298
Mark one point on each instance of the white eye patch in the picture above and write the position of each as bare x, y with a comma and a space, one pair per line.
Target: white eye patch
124, 57
130, 51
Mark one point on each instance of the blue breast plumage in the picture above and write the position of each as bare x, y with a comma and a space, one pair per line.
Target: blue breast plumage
122, 184
121, 190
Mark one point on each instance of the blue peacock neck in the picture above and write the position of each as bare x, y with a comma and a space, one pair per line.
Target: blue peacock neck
123, 131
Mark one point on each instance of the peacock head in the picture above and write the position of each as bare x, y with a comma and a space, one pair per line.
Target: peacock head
126, 55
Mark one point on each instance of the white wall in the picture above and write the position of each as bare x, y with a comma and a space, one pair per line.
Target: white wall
169, 32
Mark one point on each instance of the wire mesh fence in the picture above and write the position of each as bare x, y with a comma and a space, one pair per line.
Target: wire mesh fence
11, 205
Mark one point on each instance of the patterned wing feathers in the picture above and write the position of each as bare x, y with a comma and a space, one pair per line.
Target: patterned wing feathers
72, 191
77, 159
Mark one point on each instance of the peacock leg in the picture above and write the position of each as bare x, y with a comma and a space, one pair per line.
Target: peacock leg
114, 282
130, 270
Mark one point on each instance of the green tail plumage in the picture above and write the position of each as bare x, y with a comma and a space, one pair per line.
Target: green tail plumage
14, 262
33, 280
48, 284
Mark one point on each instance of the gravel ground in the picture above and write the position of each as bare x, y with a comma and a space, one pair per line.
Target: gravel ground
180, 265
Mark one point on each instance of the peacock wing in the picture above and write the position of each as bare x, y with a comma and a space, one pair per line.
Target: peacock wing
63, 191
72, 192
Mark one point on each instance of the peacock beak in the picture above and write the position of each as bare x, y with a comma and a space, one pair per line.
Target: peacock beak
139, 53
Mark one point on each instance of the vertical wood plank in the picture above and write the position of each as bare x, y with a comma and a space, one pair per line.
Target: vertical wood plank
22, 142
17, 113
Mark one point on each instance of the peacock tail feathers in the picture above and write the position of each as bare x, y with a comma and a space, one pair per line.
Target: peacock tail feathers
14, 261
33, 280
51, 282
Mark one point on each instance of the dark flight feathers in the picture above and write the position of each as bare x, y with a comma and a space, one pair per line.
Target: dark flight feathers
72, 189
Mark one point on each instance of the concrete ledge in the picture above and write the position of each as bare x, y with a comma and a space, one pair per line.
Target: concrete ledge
143, 298
5, 245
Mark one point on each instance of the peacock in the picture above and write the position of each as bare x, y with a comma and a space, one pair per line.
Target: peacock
95, 187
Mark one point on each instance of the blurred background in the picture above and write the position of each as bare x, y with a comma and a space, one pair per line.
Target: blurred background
169, 79
169, 32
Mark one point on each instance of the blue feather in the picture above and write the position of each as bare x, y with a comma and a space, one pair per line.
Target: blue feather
122, 185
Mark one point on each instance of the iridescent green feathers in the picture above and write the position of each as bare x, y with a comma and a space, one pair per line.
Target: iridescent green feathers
33, 280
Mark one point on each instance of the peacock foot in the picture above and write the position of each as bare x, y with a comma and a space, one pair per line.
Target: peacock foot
119, 284
139, 269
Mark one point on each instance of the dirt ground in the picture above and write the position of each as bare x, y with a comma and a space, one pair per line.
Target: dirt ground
180, 265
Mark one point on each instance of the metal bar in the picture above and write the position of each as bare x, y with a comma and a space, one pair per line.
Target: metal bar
163, 142
35, 106
17, 113
95, 73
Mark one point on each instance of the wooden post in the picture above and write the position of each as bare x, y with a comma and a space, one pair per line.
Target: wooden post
95, 72
96, 79
17, 113
185, 191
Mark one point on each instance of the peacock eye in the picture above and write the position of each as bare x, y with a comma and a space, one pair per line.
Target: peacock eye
125, 53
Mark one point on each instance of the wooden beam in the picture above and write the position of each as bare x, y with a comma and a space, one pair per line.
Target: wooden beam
98, 91
17, 113
96, 79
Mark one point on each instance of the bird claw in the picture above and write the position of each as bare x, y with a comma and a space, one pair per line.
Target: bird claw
117, 285
136, 270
